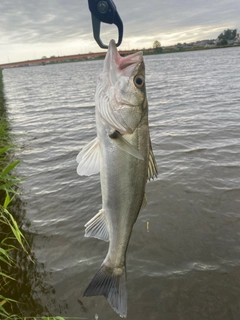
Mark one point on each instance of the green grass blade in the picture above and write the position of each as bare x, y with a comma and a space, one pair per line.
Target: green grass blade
15, 229
8, 185
4, 253
4, 275
9, 168
3, 150
7, 200
5, 261
5, 300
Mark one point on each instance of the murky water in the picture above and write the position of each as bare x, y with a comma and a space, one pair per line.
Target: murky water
187, 265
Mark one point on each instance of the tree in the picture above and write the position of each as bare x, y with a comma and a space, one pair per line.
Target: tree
227, 35
156, 44
223, 42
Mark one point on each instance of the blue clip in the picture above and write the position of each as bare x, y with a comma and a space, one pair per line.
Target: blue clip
105, 11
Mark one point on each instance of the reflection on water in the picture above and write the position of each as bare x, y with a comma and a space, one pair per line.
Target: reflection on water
187, 266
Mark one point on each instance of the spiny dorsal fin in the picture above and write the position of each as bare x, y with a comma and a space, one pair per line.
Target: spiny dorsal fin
152, 165
125, 145
89, 159
97, 227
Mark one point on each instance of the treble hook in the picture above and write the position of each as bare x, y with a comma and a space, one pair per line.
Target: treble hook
105, 11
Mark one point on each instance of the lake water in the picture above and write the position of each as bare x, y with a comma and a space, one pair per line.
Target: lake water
187, 265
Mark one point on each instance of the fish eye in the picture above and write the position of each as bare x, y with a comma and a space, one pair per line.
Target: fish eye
139, 81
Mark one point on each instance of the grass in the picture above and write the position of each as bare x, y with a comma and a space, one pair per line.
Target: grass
11, 237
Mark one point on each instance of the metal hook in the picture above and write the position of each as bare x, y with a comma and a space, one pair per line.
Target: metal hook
105, 11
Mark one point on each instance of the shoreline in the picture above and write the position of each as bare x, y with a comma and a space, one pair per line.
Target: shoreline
101, 55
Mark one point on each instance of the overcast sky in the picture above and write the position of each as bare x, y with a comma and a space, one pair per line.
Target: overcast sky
30, 29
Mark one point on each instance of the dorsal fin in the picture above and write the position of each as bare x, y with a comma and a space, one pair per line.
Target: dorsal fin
152, 165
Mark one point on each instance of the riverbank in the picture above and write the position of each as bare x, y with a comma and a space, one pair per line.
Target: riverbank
1, 90
176, 49
11, 238
101, 55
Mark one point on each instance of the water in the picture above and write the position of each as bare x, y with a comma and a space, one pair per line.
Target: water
183, 260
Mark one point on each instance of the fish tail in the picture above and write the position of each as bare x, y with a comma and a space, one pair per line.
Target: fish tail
110, 283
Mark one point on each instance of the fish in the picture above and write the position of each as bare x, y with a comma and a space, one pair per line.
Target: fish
122, 154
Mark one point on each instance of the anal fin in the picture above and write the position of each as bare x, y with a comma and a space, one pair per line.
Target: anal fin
97, 227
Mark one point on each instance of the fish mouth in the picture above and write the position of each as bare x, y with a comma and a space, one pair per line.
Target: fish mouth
115, 62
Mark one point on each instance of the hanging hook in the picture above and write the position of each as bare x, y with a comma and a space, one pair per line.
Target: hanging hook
105, 11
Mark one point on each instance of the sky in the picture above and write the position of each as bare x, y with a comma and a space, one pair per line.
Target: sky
31, 29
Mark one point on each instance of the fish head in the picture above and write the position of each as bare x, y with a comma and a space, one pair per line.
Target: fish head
121, 92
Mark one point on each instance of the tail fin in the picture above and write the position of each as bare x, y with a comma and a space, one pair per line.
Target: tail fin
110, 283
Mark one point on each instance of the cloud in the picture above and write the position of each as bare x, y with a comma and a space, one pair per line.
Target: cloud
44, 21
65, 25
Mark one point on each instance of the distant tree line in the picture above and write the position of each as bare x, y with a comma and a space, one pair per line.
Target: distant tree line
44, 57
227, 35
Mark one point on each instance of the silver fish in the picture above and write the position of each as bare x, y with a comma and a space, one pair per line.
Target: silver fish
122, 153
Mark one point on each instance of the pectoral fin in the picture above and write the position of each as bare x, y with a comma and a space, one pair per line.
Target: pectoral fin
152, 165
125, 145
89, 159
